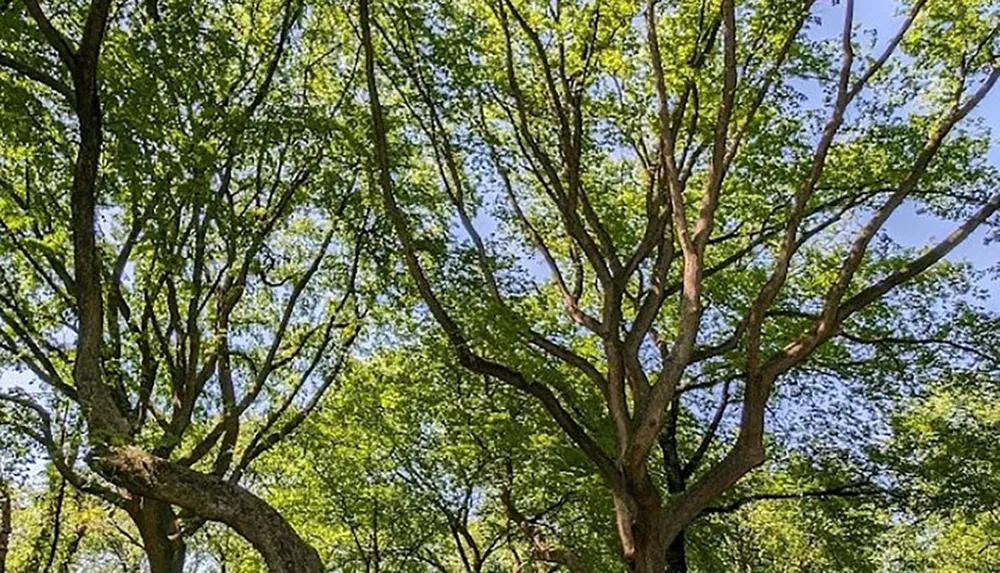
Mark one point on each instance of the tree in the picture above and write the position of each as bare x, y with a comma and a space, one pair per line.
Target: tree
6, 510
702, 227
216, 238
944, 458
627, 273
416, 465
429, 468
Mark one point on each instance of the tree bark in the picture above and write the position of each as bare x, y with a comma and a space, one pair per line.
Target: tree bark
651, 543
649, 547
214, 499
104, 405
6, 510
161, 535
652, 550
642, 525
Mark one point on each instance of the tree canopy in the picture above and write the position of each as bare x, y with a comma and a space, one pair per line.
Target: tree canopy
498, 285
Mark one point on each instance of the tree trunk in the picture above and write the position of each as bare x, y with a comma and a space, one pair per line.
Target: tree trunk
5, 525
652, 553
106, 408
676, 484
642, 529
214, 499
649, 558
161, 536
649, 555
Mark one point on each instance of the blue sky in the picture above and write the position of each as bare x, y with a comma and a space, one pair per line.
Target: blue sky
907, 226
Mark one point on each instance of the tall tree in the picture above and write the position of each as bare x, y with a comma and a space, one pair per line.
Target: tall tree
215, 236
430, 468
703, 227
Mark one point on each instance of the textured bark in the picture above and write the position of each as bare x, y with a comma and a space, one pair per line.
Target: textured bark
642, 525
649, 557
5, 525
646, 548
99, 400
154, 482
161, 536
214, 499
652, 551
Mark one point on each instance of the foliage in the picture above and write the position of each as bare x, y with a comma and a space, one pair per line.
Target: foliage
497, 285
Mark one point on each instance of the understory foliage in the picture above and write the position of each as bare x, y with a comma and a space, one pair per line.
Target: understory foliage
478, 286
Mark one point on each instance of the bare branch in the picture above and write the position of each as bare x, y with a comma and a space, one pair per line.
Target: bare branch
466, 356
39, 76
853, 489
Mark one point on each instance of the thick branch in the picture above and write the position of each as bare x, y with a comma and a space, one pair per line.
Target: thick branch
855, 489
466, 355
